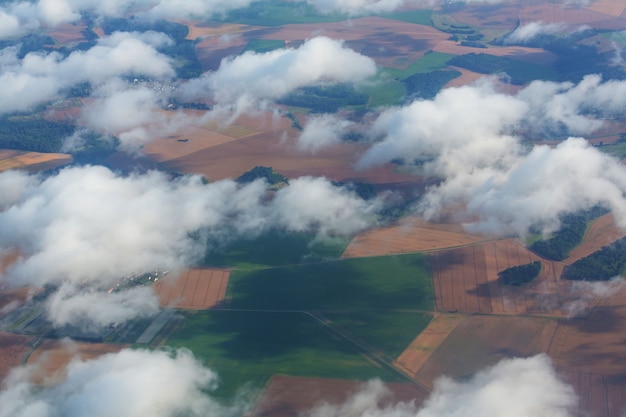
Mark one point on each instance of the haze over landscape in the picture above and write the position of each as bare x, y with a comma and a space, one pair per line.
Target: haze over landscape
312, 208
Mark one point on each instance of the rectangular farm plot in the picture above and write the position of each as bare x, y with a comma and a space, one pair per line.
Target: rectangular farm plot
291, 396
194, 289
412, 235
418, 352
466, 280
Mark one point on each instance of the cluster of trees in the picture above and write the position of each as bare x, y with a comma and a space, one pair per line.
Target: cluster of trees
325, 98
33, 134
427, 85
272, 177
520, 275
602, 265
571, 233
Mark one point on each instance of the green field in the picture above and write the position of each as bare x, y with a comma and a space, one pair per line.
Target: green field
386, 282
420, 17
264, 45
247, 348
344, 319
386, 332
277, 13
431, 61
275, 249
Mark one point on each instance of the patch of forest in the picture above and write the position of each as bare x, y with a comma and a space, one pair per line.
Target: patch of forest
427, 85
519, 275
325, 98
570, 235
601, 265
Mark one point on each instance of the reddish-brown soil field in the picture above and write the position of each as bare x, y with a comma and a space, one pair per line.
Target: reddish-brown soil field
498, 16
13, 347
32, 161
52, 357
411, 360
610, 7
481, 341
598, 396
229, 160
598, 16
602, 232
212, 50
466, 280
594, 343
290, 396
207, 30
194, 289
409, 235
67, 33
522, 53
389, 42
12, 298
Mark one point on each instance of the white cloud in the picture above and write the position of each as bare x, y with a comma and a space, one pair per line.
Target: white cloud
38, 78
522, 387
528, 31
85, 228
132, 383
464, 136
322, 131
252, 77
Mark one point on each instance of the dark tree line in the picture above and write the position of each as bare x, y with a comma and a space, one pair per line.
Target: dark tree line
326, 98
520, 275
427, 85
601, 265
571, 233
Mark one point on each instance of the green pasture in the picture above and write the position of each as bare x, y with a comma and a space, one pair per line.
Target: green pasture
264, 45
431, 61
385, 282
277, 13
276, 249
386, 332
249, 347
420, 17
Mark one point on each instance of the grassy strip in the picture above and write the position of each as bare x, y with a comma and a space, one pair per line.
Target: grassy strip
386, 282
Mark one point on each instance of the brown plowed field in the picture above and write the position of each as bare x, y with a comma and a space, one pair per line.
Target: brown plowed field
466, 280
290, 396
194, 289
13, 347
66, 33
596, 16
611, 7
270, 148
52, 357
411, 360
598, 396
602, 232
481, 341
595, 343
32, 161
206, 30
522, 53
11, 298
390, 43
409, 235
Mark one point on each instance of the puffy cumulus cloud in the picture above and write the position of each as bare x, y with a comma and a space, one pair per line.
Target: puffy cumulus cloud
133, 383
464, 137
322, 131
585, 294
132, 113
461, 127
546, 183
38, 78
252, 77
522, 387
180, 9
572, 107
315, 204
92, 309
85, 228
529, 31
361, 6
